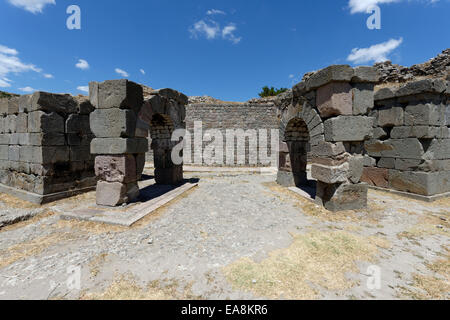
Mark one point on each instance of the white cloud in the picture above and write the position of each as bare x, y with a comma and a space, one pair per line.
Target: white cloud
48, 76
83, 89
228, 33
10, 63
82, 64
376, 53
211, 30
122, 73
362, 6
27, 89
142, 71
34, 6
291, 76
214, 12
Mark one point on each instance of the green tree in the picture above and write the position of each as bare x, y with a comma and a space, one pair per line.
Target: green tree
271, 92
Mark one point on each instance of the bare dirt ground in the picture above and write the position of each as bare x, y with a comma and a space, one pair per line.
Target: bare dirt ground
233, 237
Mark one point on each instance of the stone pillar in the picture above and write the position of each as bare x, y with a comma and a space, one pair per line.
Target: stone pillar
334, 103
117, 146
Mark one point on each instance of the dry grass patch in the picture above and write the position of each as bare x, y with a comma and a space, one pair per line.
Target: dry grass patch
126, 288
96, 263
317, 258
88, 227
13, 202
428, 225
44, 215
436, 287
32, 248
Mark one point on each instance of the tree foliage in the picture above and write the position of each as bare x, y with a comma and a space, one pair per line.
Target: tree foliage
271, 92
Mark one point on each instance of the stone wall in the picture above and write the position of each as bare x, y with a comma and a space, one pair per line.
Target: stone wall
223, 117
44, 145
410, 150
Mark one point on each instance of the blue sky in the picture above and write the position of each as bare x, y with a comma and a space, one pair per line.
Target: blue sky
226, 49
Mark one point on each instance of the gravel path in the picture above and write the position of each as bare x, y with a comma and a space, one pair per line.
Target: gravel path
186, 245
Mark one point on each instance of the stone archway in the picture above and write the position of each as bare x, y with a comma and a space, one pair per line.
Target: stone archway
328, 117
121, 124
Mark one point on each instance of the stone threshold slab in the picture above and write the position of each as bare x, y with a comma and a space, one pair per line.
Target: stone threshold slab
127, 217
428, 199
39, 198
302, 193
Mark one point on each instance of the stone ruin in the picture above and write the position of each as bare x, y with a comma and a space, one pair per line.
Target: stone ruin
44, 146
354, 134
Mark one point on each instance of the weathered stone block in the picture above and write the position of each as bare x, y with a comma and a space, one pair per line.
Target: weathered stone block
115, 193
325, 149
116, 168
341, 197
285, 178
122, 94
169, 176
4, 139
44, 155
335, 73
424, 114
410, 148
379, 133
422, 183
110, 123
329, 174
41, 122
348, 128
385, 94
363, 98
439, 149
407, 164
140, 164
77, 123
14, 153
42, 139
422, 86
51, 102
80, 153
3, 107
25, 103
10, 124
391, 117
366, 74
13, 105
387, 163
334, 99
4, 152
435, 165
376, 177
118, 146
421, 132
356, 167
22, 123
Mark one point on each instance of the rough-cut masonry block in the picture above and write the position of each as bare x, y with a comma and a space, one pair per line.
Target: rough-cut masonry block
348, 128
407, 164
369, 161
334, 99
422, 183
42, 139
25, 103
172, 94
327, 149
422, 86
379, 133
39, 121
3, 107
116, 168
439, 149
4, 152
50, 102
118, 146
447, 115
74, 139
330, 174
116, 94
385, 94
356, 167
84, 105
424, 114
336, 73
111, 193
13, 105
80, 153
366, 74
342, 197
391, 117
140, 165
10, 124
421, 132
169, 176
111, 123
22, 123
4, 139
410, 148
362, 98
14, 153
77, 123
376, 177
44, 155
435, 165
387, 163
